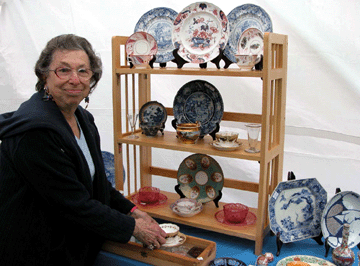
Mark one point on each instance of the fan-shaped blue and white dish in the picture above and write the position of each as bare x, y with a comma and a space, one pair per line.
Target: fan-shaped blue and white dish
199, 101
152, 112
295, 209
241, 18
159, 23
108, 159
343, 208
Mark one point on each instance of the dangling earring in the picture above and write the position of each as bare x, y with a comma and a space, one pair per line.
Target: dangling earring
47, 96
87, 100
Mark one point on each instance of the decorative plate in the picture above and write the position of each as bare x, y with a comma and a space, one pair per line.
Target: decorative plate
241, 18
313, 261
226, 261
108, 159
251, 42
174, 241
199, 31
199, 100
343, 208
141, 43
228, 147
186, 207
152, 112
159, 22
295, 209
200, 177
136, 200
249, 220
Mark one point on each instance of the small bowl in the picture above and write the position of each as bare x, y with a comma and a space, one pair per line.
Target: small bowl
150, 129
149, 194
171, 230
140, 61
235, 212
188, 132
247, 62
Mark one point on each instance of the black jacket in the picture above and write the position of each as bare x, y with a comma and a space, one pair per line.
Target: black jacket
50, 211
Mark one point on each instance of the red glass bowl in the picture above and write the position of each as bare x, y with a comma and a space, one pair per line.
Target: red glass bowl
149, 194
235, 212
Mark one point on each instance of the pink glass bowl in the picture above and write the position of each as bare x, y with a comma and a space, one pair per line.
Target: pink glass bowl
235, 212
149, 194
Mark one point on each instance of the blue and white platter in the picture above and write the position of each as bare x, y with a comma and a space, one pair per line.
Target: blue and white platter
152, 112
241, 18
159, 23
108, 159
199, 100
226, 261
200, 178
343, 208
295, 209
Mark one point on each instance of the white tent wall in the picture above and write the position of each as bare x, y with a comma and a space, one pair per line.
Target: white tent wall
323, 97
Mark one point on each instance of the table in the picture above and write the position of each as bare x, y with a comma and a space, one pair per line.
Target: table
229, 246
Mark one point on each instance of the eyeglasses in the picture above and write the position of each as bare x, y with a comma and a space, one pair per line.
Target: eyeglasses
66, 72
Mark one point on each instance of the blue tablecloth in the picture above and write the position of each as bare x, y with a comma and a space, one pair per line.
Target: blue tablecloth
230, 246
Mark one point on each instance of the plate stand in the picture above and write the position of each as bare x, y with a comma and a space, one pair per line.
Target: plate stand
216, 200
151, 63
279, 243
179, 61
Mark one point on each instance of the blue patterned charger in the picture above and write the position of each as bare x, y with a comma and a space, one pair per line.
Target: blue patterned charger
199, 100
226, 261
108, 159
241, 18
159, 23
295, 209
152, 112
343, 208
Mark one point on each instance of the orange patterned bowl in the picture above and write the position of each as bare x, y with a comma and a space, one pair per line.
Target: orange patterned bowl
149, 194
235, 212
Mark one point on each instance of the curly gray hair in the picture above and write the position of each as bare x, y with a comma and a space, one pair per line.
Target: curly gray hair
67, 42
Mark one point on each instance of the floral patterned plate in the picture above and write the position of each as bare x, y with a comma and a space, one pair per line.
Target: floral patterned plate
241, 18
295, 209
141, 43
200, 177
199, 31
158, 22
344, 207
313, 261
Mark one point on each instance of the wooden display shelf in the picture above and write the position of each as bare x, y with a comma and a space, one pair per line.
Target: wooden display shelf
165, 257
205, 219
170, 141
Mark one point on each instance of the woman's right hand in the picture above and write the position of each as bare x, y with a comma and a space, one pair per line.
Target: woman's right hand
149, 233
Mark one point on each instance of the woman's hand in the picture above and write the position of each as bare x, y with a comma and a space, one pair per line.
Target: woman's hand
147, 230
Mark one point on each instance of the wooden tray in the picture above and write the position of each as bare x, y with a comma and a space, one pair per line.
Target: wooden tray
168, 256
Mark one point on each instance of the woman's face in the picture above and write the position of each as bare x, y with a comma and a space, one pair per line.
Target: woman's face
68, 92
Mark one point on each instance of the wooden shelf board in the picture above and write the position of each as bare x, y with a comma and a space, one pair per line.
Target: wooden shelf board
205, 220
230, 72
170, 141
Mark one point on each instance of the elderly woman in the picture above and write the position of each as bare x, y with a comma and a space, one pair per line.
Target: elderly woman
56, 205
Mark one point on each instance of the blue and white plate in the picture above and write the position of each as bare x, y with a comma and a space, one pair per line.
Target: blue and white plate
199, 100
159, 23
226, 261
152, 112
108, 159
241, 18
200, 178
343, 208
295, 209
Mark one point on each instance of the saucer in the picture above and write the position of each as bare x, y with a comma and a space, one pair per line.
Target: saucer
227, 147
249, 220
175, 241
136, 200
